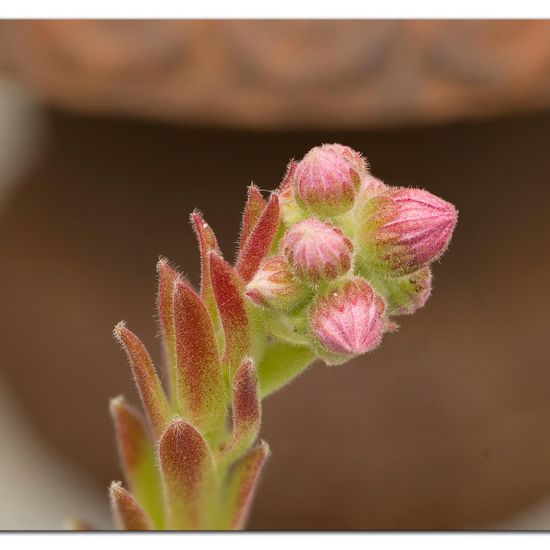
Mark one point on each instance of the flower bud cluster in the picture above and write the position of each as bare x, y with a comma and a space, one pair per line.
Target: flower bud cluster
352, 252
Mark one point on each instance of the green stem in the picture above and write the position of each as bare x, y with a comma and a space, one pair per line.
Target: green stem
280, 364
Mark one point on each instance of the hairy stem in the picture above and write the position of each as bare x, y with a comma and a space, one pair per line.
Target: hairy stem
281, 363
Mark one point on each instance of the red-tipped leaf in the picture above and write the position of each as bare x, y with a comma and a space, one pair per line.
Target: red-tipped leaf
246, 405
207, 243
128, 514
285, 188
165, 308
253, 209
246, 411
146, 379
258, 243
132, 439
187, 474
228, 291
137, 457
199, 375
243, 485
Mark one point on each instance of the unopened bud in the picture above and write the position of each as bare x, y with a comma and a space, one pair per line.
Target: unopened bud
328, 178
402, 230
370, 187
356, 159
409, 293
349, 320
275, 285
317, 250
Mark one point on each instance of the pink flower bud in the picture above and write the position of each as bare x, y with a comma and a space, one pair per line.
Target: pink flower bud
327, 179
349, 320
370, 187
409, 293
356, 159
275, 285
317, 250
404, 229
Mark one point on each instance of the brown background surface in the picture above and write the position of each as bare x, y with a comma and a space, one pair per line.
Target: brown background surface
445, 427
284, 74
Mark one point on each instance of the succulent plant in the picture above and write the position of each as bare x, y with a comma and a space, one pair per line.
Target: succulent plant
323, 265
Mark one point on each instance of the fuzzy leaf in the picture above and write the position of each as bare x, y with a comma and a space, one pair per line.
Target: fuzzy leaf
243, 484
246, 412
285, 187
246, 405
229, 292
253, 209
207, 243
137, 457
187, 474
199, 375
146, 379
165, 308
258, 243
128, 514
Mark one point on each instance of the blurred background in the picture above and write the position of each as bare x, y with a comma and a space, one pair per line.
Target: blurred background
111, 132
